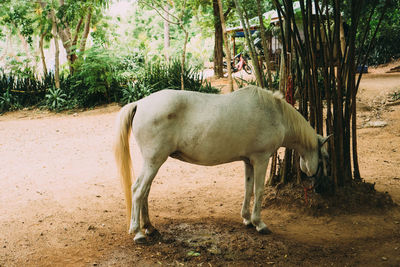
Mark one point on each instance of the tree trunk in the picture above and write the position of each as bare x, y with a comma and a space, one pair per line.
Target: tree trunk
218, 42
86, 30
227, 48
42, 56
356, 169
166, 34
73, 56
264, 45
180, 23
57, 51
65, 35
184, 58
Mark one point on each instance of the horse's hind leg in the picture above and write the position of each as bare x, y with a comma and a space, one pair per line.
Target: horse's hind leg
248, 186
140, 190
150, 230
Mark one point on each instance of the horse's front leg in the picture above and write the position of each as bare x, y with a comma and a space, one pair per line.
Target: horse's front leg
248, 192
260, 168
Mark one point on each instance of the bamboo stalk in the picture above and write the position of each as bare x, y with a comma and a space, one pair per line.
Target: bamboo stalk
227, 48
250, 43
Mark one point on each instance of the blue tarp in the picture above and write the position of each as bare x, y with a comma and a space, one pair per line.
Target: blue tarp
241, 34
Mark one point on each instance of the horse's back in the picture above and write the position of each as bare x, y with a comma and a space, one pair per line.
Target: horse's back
171, 106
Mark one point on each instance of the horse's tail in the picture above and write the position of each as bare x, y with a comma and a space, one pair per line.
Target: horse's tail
122, 152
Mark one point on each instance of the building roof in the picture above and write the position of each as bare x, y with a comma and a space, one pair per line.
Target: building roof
271, 16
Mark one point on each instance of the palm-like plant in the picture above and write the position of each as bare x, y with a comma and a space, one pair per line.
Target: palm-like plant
134, 92
55, 99
5, 101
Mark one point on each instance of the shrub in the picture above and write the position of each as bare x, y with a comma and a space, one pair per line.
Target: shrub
157, 76
100, 76
22, 90
93, 76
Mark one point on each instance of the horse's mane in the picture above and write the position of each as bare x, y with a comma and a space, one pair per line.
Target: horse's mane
297, 124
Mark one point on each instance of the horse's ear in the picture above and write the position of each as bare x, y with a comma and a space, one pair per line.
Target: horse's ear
323, 140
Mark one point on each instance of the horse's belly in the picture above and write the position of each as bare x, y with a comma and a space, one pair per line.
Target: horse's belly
210, 160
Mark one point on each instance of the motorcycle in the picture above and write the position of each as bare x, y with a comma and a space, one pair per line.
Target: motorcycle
235, 67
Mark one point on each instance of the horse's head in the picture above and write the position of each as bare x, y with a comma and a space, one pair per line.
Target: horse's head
315, 163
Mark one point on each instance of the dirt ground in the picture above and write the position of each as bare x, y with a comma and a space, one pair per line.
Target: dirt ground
61, 202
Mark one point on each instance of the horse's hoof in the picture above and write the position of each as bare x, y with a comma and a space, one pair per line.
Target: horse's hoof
152, 233
140, 238
247, 223
264, 230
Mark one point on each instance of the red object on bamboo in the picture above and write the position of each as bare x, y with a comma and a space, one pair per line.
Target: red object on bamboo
290, 92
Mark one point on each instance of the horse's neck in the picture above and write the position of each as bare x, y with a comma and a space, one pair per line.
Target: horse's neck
299, 136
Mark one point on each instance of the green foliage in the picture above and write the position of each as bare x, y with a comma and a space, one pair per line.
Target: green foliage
94, 70
18, 90
19, 68
134, 92
157, 76
6, 101
18, 17
395, 95
55, 99
169, 76
385, 48
105, 33
147, 35
99, 75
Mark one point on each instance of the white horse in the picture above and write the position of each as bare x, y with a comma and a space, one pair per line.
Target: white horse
248, 125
